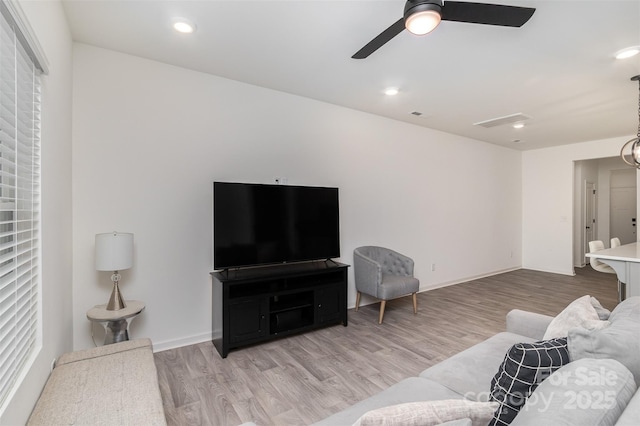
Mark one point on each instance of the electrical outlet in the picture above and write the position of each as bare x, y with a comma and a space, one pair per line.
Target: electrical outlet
53, 364
433, 267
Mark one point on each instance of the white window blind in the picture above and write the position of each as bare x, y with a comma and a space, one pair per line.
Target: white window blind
19, 203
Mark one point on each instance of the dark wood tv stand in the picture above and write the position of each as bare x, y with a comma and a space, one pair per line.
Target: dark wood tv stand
258, 304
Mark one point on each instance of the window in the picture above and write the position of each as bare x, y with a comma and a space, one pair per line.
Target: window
19, 201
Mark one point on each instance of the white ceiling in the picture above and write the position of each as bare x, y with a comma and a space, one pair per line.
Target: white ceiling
558, 68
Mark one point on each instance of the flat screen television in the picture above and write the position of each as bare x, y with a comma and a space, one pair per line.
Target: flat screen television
258, 224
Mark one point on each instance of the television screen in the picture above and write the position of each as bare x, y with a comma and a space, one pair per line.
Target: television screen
256, 224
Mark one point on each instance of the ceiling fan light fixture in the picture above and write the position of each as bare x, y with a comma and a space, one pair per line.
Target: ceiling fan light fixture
422, 18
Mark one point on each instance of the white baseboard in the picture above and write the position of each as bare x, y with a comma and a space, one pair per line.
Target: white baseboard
178, 343
571, 273
448, 283
471, 278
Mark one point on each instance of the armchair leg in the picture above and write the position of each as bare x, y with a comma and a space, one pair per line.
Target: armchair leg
383, 303
358, 301
415, 303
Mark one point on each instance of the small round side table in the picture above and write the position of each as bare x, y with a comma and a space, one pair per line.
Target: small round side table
115, 323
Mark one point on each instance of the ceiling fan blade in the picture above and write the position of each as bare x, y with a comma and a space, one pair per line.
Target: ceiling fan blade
382, 38
490, 14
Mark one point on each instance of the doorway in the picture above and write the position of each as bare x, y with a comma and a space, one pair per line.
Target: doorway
623, 197
590, 204
610, 212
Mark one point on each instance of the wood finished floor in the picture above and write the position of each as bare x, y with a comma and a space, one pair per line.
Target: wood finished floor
302, 379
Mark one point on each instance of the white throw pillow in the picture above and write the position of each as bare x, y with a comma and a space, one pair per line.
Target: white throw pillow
603, 313
428, 413
579, 313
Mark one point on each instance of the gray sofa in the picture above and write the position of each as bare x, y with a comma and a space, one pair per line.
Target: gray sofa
580, 392
108, 385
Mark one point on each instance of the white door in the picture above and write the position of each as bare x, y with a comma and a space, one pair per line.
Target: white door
589, 216
623, 214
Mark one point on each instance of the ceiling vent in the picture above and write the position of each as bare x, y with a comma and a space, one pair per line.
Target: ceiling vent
507, 119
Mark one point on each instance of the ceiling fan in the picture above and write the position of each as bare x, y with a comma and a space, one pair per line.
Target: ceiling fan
423, 16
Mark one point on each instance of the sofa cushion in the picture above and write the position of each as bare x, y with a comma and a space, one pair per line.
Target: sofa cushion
579, 313
619, 341
412, 389
469, 372
631, 413
429, 413
585, 392
527, 323
524, 367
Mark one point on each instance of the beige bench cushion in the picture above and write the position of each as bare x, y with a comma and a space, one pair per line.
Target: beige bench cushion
109, 385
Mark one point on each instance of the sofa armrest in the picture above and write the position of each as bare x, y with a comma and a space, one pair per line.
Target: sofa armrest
528, 324
367, 273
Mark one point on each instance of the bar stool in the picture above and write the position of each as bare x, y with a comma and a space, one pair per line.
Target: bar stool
598, 245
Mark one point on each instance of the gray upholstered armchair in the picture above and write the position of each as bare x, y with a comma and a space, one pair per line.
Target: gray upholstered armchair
384, 274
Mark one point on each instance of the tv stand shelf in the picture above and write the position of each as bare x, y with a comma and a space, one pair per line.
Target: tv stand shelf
253, 305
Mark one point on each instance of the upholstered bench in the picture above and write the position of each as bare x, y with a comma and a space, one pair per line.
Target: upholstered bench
109, 385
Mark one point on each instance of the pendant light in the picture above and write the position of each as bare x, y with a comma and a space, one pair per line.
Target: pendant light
630, 151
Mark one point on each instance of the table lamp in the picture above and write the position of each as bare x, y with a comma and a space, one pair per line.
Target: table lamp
114, 252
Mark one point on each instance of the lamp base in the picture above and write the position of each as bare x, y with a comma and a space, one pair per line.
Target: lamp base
115, 301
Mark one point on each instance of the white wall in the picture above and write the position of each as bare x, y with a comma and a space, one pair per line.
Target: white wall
149, 139
49, 23
547, 187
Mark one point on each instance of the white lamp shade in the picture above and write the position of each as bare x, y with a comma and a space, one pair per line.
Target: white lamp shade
114, 251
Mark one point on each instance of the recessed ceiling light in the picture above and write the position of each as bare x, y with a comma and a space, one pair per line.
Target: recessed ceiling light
627, 52
518, 125
391, 91
183, 25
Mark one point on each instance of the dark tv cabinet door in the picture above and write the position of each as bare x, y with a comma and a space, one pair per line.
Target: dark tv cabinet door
329, 303
247, 320
258, 304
